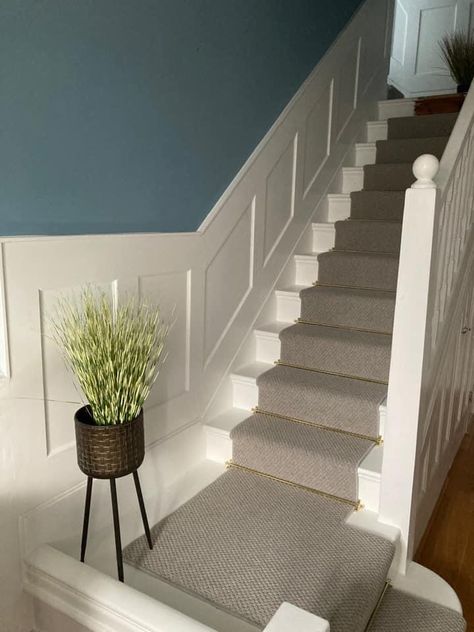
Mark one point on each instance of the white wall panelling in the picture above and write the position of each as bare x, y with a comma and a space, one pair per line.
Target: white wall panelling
217, 279
416, 66
431, 373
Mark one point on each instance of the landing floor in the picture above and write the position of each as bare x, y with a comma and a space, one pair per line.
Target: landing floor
447, 547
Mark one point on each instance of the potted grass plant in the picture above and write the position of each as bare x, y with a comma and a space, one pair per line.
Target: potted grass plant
114, 353
457, 51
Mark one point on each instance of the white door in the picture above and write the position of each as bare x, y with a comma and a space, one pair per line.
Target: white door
416, 65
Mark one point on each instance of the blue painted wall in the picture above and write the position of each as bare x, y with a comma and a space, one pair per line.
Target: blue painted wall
135, 115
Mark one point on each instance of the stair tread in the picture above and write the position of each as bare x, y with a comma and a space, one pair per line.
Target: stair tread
274, 327
246, 543
359, 269
299, 453
227, 420
251, 370
402, 611
355, 353
365, 309
368, 235
341, 403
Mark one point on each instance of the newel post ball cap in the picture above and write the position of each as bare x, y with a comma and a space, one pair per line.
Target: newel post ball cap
425, 169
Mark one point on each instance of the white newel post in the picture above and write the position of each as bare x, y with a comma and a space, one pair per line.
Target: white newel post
408, 346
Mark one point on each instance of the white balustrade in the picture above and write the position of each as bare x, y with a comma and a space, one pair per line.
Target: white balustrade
431, 373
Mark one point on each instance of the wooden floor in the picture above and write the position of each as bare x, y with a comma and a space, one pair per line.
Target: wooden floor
447, 547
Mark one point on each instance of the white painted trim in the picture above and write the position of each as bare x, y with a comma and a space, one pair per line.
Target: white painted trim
224, 273
289, 618
97, 601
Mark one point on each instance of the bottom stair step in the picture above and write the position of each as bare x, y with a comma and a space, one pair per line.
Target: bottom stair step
401, 611
301, 454
247, 544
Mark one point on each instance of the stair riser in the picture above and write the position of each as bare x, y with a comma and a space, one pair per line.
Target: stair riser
245, 397
408, 151
368, 237
388, 177
381, 206
364, 275
362, 312
359, 359
395, 108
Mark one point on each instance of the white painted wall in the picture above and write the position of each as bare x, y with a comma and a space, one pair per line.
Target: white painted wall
218, 279
416, 66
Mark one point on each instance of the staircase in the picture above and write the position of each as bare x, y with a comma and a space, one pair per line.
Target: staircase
304, 439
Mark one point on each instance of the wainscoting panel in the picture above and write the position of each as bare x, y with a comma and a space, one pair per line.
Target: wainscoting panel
216, 279
227, 288
280, 199
318, 128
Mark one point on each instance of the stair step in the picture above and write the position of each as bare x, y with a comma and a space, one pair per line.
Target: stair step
306, 268
368, 236
267, 339
400, 611
218, 443
328, 400
408, 149
365, 154
421, 126
378, 205
358, 270
394, 108
352, 179
365, 356
388, 177
339, 206
360, 309
288, 303
376, 130
244, 384
250, 536
323, 236
219, 450
318, 459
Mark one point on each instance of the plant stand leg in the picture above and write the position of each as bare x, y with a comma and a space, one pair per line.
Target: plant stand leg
118, 542
142, 509
87, 511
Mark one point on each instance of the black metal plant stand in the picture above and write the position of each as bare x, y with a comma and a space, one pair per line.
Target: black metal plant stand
115, 513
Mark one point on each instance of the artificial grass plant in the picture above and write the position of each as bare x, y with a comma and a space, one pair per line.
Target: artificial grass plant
114, 351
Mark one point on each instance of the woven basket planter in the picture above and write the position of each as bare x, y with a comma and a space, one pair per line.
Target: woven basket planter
108, 451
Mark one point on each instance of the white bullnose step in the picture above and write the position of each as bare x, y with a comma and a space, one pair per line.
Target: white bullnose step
306, 268
376, 130
267, 340
288, 303
324, 236
394, 108
352, 179
339, 206
365, 154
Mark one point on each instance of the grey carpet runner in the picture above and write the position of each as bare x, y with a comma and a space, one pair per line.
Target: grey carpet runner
273, 527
